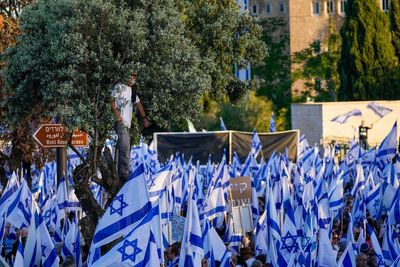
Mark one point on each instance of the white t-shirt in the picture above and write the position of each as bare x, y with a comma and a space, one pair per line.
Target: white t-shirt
123, 95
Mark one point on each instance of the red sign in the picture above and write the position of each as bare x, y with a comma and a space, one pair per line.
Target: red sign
53, 135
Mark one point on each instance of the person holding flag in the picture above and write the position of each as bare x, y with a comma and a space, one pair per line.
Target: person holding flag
363, 134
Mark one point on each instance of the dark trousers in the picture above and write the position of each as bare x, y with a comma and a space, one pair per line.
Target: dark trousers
124, 150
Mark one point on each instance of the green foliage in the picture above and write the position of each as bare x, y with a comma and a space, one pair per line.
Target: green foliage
319, 68
252, 112
367, 52
395, 26
275, 72
171, 79
224, 37
67, 58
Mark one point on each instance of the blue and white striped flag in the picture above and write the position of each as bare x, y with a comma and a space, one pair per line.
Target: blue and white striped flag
222, 124
379, 110
272, 125
32, 255
49, 253
336, 195
348, 258
9, 193
125, 211
376, 246
138, 248
255, 144
19, 211
373, 201
387, 149
71, 244
192, 250
390, 245
19, 258
344, 117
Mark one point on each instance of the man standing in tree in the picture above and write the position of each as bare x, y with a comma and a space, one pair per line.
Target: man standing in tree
122, 105
363, 135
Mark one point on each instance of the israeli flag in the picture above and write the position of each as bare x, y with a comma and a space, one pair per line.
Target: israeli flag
379, 110
255, 144
272, 125
9, 193
348, 258
19, 211
376, 246
19, 258
390, 245
32, 255
387, 149
49, 253
192, 243
138, 248
125, 211
222, 124
71, 245
344, 117
336, 196
159, 181
359, 184
373, 201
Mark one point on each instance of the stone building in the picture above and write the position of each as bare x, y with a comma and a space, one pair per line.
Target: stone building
308, 21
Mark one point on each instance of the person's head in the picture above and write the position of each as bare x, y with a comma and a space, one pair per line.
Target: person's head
256, 263
132, 79
246, 253
7, 228
204, 262
335, 239
362, 260
364, 248
69, 261
172, 251
362, 123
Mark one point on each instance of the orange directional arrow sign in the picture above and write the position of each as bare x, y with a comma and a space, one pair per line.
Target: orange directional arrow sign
53, 135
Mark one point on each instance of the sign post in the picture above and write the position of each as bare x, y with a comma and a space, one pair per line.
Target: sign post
54, 136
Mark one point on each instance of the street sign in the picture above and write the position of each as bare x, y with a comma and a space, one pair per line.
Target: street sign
53, 135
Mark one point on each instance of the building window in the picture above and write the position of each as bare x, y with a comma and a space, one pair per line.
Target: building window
268, 8
343, 4
255, 11
316, 8
329, 6
385, 5
282, 8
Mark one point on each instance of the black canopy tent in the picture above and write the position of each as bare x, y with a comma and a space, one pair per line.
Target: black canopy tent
201, 145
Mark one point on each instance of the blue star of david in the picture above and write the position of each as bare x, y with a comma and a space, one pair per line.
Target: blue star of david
43, 249
47, 214
305, 241
121, 207
377, 204
380, 261
76, 247
151, 182
291, 244
27, 203
258, 249
135, 251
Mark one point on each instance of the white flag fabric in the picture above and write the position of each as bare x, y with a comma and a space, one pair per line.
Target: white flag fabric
138, 248
129, 206
19, 211
379, 110
9, 193
344, 117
